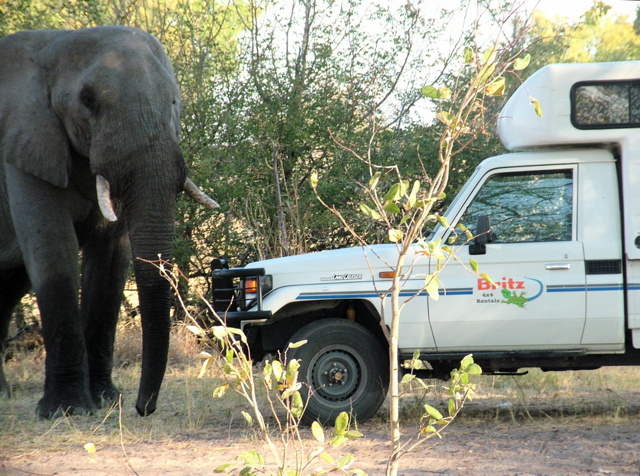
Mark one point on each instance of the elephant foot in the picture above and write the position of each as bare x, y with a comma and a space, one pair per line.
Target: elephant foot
52, 406
104, 394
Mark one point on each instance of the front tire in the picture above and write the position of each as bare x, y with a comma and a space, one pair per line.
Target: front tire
343, 367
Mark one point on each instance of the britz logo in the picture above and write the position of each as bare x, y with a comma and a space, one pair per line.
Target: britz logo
484, 285
512, 291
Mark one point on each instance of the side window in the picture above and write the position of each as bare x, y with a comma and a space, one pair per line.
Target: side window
524, 207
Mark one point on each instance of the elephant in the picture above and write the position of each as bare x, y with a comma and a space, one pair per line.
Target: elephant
90, 173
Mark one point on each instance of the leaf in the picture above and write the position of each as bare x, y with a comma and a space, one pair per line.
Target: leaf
474, 265
397, 191
521, 63
417, 365
247, 417
205, 365
452, 407
278, 371
290, 391
345, 461
341, 424
317, 431
536, 106
219, 332
405, 218
252, 457
487, 278
220, 390
327, 457
474, 369
237, 332
370, 212
430, 92
445, 117
413, 196
314, 180
196, 330
466, 361
351, 434
489, 56
427, 429
496, 88
338, 440
373, 182
445, 93
468, 55
391, 207
395, 235
433, 412
406, 378
443, 220
295, 345
292, 367
222, 468
486, 72
297, 405
432, 287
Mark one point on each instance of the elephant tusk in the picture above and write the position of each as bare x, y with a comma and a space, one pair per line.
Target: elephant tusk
104, 198
198, 195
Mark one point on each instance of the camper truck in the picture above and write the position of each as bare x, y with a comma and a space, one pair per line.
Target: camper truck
557, 230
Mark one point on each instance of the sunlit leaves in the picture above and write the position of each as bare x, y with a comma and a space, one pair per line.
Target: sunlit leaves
432, 286
521, 63
395, 235
536, 106
496, 87
397, 191
370, 212
436, 93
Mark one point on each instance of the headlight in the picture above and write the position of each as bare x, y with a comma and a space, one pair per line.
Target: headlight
252, 289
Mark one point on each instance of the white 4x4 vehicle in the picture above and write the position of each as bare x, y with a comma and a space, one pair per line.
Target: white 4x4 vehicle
563, 253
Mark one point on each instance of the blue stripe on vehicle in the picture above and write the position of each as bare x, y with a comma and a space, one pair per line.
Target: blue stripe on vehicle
370, 295
462, 292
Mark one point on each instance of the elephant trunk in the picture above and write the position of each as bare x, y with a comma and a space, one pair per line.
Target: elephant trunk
149, 242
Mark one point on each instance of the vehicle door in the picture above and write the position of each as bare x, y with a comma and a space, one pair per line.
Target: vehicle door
534, 296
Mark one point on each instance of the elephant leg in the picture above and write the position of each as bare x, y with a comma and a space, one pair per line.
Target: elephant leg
105, 265
43, 222
14, 284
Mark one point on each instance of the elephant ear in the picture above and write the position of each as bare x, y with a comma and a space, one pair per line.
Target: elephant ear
33, 138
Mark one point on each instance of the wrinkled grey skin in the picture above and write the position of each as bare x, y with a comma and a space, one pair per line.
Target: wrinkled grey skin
74, 105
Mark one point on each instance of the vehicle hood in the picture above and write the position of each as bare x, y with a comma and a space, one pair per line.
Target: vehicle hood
357, 264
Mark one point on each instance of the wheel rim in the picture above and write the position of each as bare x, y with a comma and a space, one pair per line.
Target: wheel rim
336, 375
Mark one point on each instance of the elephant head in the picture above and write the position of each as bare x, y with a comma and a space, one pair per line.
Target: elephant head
98, 131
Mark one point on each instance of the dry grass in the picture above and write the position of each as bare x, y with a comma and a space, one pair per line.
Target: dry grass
188, 412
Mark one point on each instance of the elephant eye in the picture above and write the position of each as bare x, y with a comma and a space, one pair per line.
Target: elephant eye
88, 98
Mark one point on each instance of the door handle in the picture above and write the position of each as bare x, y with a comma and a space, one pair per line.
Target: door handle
557, 266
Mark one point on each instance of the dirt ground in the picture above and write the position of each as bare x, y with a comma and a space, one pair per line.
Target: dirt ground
591, 433
554, 423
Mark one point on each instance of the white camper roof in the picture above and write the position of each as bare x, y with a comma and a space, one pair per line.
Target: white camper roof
560, 87
590, 103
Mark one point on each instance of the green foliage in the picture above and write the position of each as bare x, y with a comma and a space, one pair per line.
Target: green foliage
460, 390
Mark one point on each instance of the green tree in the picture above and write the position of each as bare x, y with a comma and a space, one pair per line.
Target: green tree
600, 35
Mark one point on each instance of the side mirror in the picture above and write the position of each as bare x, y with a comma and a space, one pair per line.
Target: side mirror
483, 236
